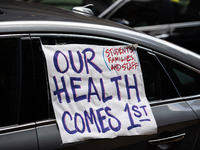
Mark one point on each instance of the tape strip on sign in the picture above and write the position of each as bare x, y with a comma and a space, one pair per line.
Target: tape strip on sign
98, 92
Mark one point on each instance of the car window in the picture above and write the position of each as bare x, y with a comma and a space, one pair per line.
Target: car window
185, 10
27, 97
16, 82
42, 96
9, 81
43, 100
186, 80
158, 85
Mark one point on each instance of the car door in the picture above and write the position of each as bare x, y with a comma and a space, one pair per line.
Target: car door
17, 126
175, 130
187, 80
177, 123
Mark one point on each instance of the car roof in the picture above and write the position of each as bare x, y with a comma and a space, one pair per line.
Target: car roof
12, 10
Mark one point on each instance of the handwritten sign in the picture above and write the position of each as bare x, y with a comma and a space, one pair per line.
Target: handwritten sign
98, 92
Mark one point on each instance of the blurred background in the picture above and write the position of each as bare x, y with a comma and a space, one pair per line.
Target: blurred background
176, 21
144, 12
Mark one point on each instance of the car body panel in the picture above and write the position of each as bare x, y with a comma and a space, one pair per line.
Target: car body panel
195, 105
19, 137
50, 138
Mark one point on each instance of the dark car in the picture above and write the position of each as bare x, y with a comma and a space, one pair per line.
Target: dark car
171, 77
177, 21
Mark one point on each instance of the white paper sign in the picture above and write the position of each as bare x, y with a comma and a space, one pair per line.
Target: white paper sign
98, 92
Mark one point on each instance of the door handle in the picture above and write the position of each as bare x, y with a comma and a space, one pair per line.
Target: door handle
167, 140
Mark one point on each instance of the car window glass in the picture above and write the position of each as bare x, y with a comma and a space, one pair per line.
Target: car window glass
43, 101
140, 13
9, 81
186, 80
158, 85
186, 10
27, 99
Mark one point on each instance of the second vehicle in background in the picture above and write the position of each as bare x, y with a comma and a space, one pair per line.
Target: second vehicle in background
177, 21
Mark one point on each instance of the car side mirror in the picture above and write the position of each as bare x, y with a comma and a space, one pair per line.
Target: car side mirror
84, 10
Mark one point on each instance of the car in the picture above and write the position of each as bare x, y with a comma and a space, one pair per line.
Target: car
177, 21
29, 32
